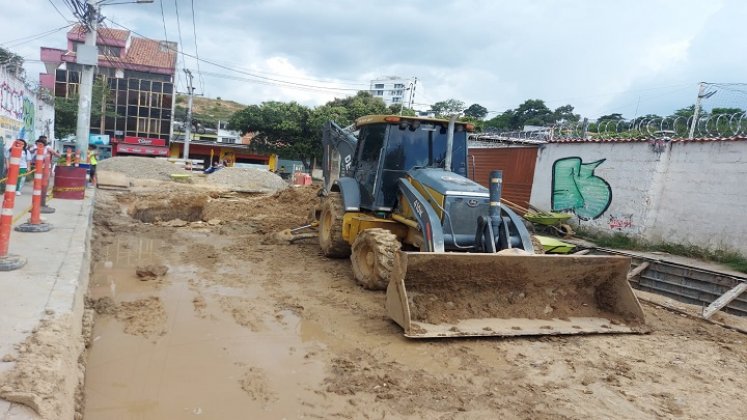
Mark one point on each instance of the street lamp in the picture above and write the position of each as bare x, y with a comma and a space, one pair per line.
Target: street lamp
88, 57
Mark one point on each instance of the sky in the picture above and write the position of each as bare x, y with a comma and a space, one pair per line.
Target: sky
601, 56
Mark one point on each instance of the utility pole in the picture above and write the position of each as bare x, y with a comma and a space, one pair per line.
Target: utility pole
87, 57
188, 128
412, 92
696, 111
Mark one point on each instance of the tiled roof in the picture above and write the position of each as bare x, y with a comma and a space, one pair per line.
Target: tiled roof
150, 53
120, 35
646, 139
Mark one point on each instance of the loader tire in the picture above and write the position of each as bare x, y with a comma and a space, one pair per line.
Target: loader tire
373, 257
330, 227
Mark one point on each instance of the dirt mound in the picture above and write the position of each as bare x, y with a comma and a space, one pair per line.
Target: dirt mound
141, 168
247, 180
285, 209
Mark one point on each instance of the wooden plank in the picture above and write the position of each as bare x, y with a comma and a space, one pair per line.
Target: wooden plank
724, 300
638, 270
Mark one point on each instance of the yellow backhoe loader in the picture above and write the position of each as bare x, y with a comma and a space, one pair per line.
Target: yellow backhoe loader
453, 260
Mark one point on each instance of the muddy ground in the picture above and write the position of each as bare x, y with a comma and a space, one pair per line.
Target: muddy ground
240, 327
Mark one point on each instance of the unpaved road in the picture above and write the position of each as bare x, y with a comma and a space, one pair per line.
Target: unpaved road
241, 329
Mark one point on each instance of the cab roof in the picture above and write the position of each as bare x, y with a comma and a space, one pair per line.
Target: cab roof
396, 119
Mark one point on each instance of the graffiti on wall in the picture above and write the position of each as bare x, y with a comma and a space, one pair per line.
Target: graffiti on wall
575, 188
28, 115
620, 223
11, 101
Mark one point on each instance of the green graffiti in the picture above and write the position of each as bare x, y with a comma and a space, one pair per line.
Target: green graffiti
575, 188
28, 116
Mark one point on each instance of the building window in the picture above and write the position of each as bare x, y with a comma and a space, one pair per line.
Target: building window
109, 50
397, 93
379, 86
399, 86
379, 93
396, 99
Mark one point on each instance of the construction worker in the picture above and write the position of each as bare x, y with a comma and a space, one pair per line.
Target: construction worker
92, 162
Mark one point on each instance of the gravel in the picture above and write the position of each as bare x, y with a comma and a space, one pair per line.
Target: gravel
247, 179
140, 167
236, 179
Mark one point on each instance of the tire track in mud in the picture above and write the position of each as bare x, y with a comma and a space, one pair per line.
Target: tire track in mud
294, 335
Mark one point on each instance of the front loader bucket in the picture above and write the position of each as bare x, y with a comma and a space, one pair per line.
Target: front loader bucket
461, 294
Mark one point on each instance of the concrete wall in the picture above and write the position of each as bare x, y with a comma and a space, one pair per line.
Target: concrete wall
687, 192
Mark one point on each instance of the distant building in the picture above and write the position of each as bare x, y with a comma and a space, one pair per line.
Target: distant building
140, 75
393, 90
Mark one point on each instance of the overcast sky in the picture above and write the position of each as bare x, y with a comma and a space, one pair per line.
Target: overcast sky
631, 57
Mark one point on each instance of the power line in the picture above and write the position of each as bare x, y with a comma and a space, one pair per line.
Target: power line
58, 10
163, 19
29, 38
281, 83
265, 83
194, 30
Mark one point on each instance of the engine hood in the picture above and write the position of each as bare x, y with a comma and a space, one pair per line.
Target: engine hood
448, 183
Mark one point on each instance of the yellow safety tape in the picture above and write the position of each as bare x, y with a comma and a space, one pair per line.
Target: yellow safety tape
26, 211
26, 174
60, 189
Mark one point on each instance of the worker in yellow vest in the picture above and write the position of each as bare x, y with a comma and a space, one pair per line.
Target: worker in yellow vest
92, 161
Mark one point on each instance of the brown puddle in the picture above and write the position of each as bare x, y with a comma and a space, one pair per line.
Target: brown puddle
194, 355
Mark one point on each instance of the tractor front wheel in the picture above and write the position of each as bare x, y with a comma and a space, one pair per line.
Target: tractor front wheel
373, 257
330, 227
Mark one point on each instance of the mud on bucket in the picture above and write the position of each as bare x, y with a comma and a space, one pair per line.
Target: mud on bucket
69, 183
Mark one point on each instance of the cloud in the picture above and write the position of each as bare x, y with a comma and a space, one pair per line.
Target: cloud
601, 57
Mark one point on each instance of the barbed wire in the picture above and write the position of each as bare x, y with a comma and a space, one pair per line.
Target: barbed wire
706, 126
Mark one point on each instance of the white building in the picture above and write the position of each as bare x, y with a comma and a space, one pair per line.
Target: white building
393, 90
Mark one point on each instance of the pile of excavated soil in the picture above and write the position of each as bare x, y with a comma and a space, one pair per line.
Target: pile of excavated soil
235, 179
140, 167
247, 180
40, 374
284, 209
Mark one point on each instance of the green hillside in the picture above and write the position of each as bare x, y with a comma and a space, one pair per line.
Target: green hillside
207, 111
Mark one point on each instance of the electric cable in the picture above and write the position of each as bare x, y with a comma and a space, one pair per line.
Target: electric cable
194, 31
277, 82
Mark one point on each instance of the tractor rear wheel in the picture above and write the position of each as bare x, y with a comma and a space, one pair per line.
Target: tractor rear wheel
373, 257
330, 227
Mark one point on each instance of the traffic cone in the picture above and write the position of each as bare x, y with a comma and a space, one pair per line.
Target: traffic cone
10, 262
35, 224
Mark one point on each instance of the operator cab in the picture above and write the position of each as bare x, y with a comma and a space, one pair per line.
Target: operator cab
389, 146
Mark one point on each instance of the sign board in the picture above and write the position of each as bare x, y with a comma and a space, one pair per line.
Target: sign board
142, 150
144, 141
87, 55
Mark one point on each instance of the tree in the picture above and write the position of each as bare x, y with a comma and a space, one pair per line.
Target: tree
565, 114
396, 109
500, 122
66, 109
532, 112
476, 111
279, 127
610, 117
363, 103
444, 109
727, 111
